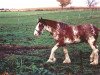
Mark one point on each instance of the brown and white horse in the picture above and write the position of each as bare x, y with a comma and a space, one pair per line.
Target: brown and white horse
68, 34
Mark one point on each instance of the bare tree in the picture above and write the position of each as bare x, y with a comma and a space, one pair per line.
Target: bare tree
92, 3
64, 3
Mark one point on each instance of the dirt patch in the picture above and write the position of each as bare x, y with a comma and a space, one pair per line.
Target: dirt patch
4, 47
15, 49
79, 66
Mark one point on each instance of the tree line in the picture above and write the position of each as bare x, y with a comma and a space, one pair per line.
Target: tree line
90, 3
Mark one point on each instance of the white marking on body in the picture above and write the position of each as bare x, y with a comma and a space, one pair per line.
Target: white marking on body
56, 32
48, 28
55, 35
67, 40
76, 39
58, 29
75, 31
93, 31
58, 26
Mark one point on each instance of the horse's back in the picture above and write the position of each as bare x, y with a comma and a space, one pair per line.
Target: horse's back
87, 30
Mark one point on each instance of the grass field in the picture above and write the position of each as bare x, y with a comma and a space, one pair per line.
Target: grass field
17, 28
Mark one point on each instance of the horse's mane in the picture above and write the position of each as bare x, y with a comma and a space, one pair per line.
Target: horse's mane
54, 23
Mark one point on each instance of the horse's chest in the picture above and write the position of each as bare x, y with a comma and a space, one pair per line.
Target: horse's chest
56, 35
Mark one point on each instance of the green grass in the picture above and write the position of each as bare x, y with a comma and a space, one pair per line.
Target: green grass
18, 27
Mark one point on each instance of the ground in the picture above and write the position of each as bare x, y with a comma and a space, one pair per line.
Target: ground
79, 66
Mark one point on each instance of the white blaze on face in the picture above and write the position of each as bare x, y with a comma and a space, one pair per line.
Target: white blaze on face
36, 30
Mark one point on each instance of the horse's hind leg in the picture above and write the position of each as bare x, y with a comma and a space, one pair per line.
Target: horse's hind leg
94, 55
67, 58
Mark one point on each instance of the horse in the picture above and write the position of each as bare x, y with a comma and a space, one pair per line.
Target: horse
65, 34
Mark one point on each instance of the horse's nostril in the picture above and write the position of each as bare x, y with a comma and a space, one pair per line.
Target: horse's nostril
36, 35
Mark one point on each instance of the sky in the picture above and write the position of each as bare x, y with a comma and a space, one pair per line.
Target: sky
38, 3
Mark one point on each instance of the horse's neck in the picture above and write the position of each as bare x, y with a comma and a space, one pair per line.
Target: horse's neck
50, 25
48, 28
57, 27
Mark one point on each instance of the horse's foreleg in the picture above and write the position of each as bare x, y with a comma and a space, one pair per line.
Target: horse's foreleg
52, 55
94, 55
67, 58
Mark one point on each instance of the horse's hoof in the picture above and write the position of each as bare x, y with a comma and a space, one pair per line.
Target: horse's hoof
94, 63
51, 60
91, 60
66, 61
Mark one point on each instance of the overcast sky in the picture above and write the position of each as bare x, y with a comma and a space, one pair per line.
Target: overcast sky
38, 3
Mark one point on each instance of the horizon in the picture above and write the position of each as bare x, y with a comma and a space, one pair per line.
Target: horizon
20, 4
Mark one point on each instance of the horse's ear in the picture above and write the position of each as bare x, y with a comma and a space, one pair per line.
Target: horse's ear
40, 18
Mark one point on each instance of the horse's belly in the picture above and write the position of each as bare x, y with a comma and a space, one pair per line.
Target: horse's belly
75, 40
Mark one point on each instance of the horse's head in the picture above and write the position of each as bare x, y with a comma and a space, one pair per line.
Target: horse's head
39, 28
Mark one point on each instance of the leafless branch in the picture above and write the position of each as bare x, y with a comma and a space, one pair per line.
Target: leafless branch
92, 3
